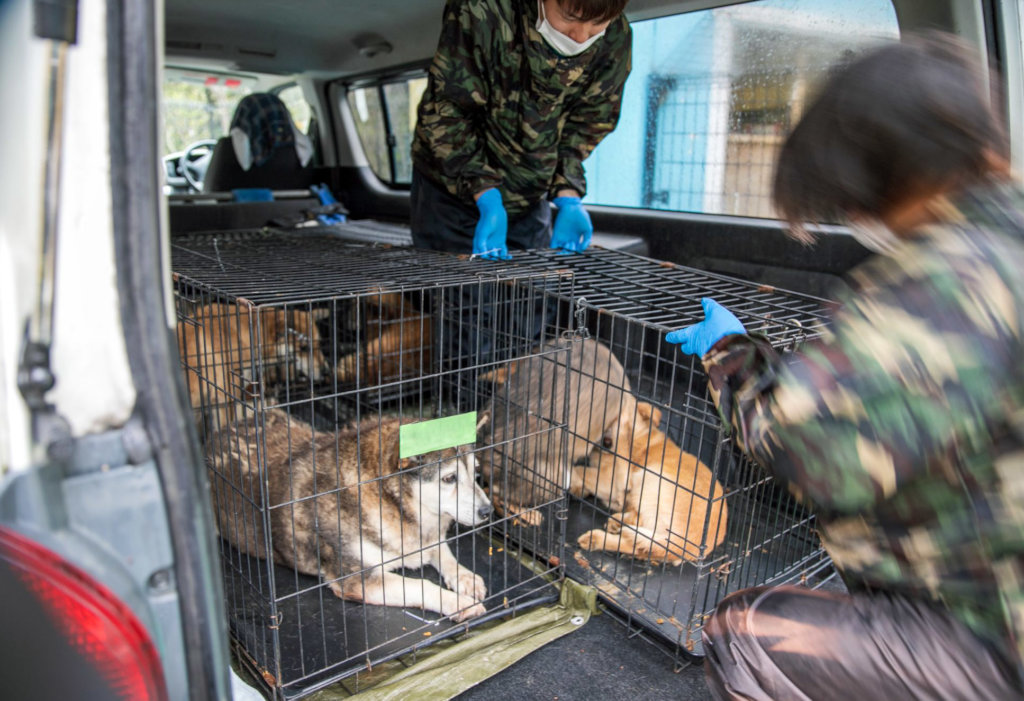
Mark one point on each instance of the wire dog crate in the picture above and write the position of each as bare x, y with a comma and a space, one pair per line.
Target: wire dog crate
668, 516
333, 386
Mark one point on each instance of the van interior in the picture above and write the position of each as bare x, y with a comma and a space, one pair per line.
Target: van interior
316, 243
684, 180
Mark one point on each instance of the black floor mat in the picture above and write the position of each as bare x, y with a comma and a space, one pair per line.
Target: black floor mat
671, 601
600, 660
322, 638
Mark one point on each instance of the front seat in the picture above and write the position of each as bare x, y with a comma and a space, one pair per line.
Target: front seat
263, 149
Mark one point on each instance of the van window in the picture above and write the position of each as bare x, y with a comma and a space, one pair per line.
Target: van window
199, 106
299, 109
713, 94
385, 117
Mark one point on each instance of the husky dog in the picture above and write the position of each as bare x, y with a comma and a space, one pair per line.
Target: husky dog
530, 397
344, 507
224, 347
398, 344
662, 496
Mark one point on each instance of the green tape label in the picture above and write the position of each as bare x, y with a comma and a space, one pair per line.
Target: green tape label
436, 434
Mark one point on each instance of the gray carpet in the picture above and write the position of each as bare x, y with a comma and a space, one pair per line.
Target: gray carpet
597, 662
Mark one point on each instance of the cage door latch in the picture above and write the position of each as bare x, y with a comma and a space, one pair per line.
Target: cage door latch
581, 329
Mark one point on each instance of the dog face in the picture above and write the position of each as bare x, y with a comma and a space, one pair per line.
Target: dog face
447, 486
624, 436
297, 341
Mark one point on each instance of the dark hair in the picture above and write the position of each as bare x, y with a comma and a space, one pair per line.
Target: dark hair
905, 119
593, 10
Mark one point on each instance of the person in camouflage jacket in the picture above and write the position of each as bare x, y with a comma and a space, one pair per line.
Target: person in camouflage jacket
519, 93
903, 426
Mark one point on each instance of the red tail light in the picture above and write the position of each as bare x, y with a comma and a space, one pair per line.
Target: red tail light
103, 630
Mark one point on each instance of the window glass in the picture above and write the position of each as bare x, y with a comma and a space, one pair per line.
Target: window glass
198, 106
386, 127
368, 114
713, 94
295, 101
402, 99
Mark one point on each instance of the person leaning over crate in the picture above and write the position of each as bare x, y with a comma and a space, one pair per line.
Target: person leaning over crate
518, 95
903, 426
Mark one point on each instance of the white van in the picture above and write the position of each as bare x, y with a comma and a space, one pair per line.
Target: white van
112, 573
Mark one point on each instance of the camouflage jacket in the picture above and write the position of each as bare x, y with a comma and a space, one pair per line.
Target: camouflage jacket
503, 109
903, 426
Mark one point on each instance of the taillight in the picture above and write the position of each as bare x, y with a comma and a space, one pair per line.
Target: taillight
103, 630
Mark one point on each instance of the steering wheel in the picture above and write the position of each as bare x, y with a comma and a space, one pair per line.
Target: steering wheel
195, 160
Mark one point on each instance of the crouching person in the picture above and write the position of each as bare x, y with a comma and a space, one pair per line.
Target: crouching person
903, 426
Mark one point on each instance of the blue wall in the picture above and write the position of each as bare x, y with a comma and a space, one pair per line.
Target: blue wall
679, 45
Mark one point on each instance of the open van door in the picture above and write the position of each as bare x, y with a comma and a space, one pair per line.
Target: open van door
106, 565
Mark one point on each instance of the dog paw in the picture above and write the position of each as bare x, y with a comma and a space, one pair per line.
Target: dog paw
467, 583
531, 517
468, 609
592, 540
474, 584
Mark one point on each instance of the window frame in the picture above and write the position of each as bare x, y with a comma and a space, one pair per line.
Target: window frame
723, 183
377, 81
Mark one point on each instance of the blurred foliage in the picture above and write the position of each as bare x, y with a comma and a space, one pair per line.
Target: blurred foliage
401, 100
194, 111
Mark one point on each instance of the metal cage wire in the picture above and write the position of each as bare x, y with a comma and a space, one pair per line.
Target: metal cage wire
304, 357
629, 302
413, 333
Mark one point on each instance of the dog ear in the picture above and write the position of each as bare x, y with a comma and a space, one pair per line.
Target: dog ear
273, 322
644, 410
655, 416
483, 419
501, 374
320, 314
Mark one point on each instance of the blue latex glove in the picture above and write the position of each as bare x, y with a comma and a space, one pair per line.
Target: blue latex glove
492, 229
718, 323
573, 230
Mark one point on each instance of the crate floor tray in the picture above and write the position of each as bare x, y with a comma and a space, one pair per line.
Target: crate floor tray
674, 601
322, 639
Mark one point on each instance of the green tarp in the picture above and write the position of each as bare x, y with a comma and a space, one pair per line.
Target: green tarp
450, 668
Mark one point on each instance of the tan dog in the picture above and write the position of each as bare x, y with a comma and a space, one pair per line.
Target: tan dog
529, 398
344, 507
224, 348
398, 344
662, 495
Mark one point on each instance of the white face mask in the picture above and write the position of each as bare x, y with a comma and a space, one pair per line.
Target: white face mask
567, 46
873, 235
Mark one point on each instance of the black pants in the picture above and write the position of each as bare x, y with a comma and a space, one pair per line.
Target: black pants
442, 222
778, 643
489, 321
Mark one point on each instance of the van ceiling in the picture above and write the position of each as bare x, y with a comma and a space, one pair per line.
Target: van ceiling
322, 37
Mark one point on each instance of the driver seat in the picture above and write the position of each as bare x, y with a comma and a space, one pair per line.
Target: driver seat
264, 149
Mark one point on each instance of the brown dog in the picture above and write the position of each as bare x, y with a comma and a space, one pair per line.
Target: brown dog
531, 396
226, 349
662, 496
398, 344
346, 508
